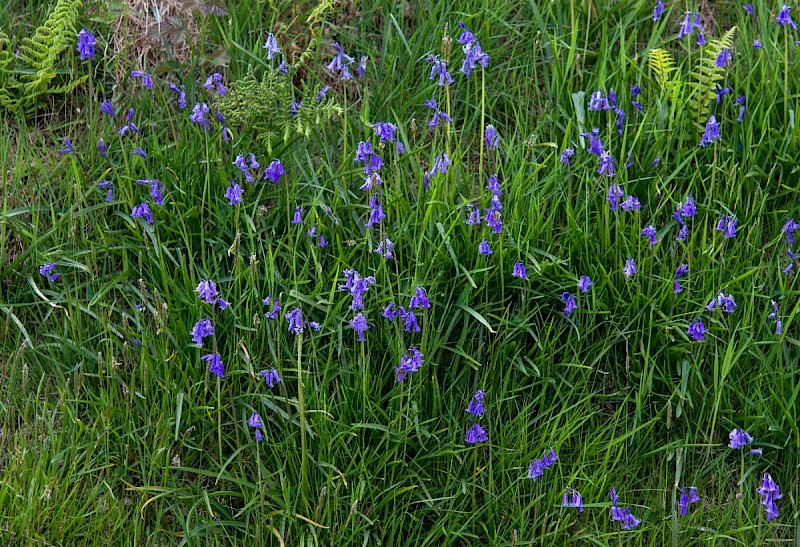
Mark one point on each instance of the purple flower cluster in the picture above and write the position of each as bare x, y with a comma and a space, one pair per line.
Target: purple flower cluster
769, 492
622, 515
409, 364
688, 496
538, 465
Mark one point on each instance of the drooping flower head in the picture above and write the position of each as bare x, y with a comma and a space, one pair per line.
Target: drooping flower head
584, 282
630, 268
566, 154
86, 43
623, 516
409, 364
215, 364
476, 434
271, 45
475, 406
688, 497
491, 137
569, 303
650, 232
143, 211
207, 292
739, 439
274, 171
711, 132
107, 108
202, 329
484, 248
360, 325
340, 62
538, 465
784, 18
47, 271
572, 498
439, 68
519, 270
769, 492
276, 308
270, 376
658, 11
419, 299
147, 80
696, 330
234, 193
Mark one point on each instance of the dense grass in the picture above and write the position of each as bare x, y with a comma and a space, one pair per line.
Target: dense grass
113, 428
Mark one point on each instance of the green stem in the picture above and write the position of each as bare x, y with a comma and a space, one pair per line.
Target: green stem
302, 412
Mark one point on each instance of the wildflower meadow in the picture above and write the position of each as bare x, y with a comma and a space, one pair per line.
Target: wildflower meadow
399, 273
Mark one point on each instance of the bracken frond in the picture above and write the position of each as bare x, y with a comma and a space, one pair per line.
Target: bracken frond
706, 75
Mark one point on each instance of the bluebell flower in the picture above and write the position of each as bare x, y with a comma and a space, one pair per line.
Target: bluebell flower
276, 308
409, 364
620, 120
720, 92
129, 126
631, 203
630, 268
207, 292
202, 329
361, 68
727, 225
142, 211
107, 184
711, 132
473, 54
86, 43
741, 100
538, 465
274, 171
255, 422
386, 133
688, 496
283, 68
385, 248
757, 44
215, 80
519, 270
572, 498
687, 26
774, 315
366, 154
360, 325
156, 189
101, 147
566, 154
474, 216
322, 92
622, 515
357, 286
199, 116
475, 406
688, 208
67, 146
723, 58
605, 165
438, 115
234, 193
139, 152
107, 108
682, 270
584, 282
650, 232
789, 228
419, 299
294, 108
785, 18
147, 80
271, 377
696, 330
595, 144
748, 7
569, 303
296, 323
439, 68
494, 221
476, 434
769, 492
658, 11
491, 137
376, 214
340, 62
410, 321
271, 45
739, 439
598, 101
181, 93
47, 271
484, 248
215, 364
613, 196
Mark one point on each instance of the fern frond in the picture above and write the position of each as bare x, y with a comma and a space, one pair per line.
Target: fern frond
706, 75
662, 64
36, 68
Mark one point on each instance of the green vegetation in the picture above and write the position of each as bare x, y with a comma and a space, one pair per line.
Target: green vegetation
113, 430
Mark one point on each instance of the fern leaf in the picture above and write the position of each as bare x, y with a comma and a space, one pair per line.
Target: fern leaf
705, 76
663, 66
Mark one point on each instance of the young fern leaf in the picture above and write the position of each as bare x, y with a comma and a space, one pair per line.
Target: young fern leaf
36, 69
706, 75
663, 66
